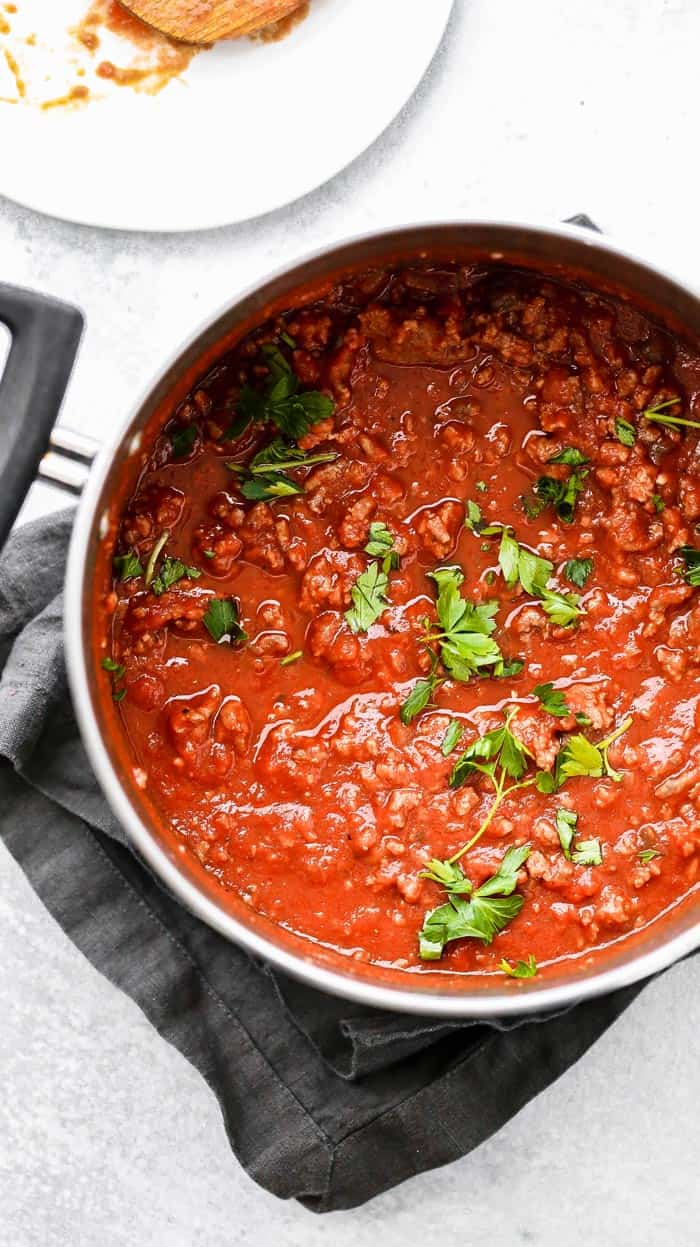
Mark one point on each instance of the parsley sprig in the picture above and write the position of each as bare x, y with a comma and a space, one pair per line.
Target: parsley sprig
471, 913
691, 560
464, 636
281, 402
267, 473
660, 415
222, 621
579, 756
521, 970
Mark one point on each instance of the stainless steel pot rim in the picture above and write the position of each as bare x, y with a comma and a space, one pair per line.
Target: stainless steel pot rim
433, 1000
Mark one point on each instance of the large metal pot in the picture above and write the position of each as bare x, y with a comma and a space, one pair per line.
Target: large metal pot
435, 991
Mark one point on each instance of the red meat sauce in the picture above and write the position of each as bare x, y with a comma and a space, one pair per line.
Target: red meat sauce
296, 785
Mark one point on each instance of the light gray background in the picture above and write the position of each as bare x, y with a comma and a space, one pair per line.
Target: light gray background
537, 110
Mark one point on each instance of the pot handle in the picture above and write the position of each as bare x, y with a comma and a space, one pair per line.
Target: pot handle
44, 338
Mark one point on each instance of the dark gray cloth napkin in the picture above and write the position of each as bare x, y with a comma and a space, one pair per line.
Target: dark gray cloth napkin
323, 1100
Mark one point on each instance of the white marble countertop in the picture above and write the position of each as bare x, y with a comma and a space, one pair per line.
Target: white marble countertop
534, 111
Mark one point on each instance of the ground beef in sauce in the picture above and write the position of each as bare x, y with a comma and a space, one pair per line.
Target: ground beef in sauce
295, 783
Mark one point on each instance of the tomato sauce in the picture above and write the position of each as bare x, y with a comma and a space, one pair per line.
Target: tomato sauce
280, 760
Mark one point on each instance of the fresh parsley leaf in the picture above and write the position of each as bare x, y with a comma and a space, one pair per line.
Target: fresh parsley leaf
561, 495
659, 504
545, 782
508, 558
222, 621
473, 517
288, 341
209, 554
566, 821
171, 571
563, 608
481, 486
369, 598
498, 747
577, 571
380, 546
183, 439
127, 566
578, 756
465, 640
109, 664
419, 697
281, 402
647, 855
660, 415
119, 694
290, 658
509, 667
505, 880
265, 476
552, 700
521, 969
489, 909
625, 432
570, 455
450, 875
691, 558
518, 563
451, 739
587, 853
270, 487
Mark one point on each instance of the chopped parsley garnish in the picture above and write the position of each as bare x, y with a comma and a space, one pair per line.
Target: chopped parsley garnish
579, 756
509, 667
647, 855
116, 669
209, 554
563, 608
585, 852
521, 969
236, 427
452, 737
625, 432
380, 546
577, 571
281, 402
660, 415
183, 439
369, 598
481, 486
552, 700
290, 658
471, 913
222, 621
419, 698
561, 495
127, 566
170, 572
533, 572
266, 476
497, 749
464, 638
474, 521
288, 341
691, 558
659, 504
571, 456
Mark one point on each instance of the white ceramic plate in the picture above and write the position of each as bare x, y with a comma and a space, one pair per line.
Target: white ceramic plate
249, 127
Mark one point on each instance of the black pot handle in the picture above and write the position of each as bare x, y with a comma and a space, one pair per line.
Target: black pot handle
44, 341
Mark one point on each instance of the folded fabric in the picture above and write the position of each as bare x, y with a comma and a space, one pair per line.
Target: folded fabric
323, 1100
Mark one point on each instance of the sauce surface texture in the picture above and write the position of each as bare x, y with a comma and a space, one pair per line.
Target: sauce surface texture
341, 718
